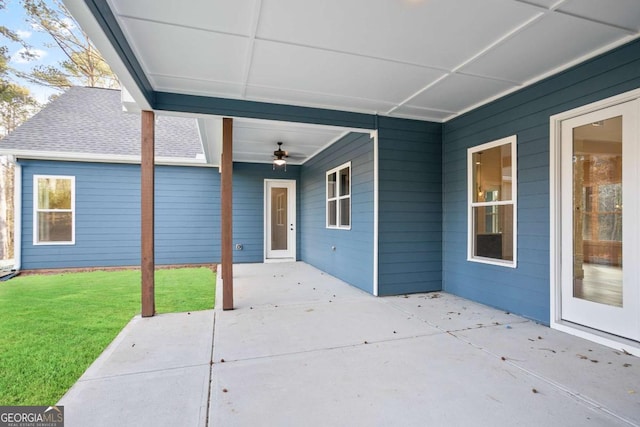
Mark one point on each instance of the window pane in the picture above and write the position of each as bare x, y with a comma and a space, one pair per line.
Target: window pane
331, 213
492, 178
493, 232
54, 193
55, 227
610, 227
610, 197
345, 212
279, 227
344, 181
331, 185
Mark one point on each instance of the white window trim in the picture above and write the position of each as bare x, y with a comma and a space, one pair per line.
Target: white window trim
337, 198
36, 210
514, 201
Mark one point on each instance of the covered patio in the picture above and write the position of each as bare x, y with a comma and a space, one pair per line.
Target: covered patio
304, 348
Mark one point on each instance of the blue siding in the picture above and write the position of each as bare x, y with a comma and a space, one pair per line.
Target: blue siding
524, 290
108, 216
410, 198
248, 207
352, 261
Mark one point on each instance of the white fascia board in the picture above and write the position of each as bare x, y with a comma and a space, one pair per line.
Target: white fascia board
210, 131
129, 104
87, 21
96, 158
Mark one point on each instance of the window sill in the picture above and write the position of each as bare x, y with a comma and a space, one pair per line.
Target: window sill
492, 261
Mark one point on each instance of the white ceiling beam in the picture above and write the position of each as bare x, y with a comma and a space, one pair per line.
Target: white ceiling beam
252, 41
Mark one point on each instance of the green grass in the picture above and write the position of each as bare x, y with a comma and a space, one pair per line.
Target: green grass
52, 327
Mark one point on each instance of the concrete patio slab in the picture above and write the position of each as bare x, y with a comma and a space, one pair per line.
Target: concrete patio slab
291, 357
286, 283
186, 341
267, 331
451, 313
155, 373
605, 377
436, 380
166, 397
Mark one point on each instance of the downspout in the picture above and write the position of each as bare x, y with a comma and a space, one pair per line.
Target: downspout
17, 216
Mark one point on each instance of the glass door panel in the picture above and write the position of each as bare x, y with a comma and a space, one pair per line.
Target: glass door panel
597, 213
600, 211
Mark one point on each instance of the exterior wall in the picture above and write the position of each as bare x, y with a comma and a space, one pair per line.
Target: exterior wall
352, 261
248, 207
107, 216
187, 214
525, 289
410, 206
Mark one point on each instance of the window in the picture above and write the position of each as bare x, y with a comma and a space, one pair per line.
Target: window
601, 197
53, 203
492, 202
339, 197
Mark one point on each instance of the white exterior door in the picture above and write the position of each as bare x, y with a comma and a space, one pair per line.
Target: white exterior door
280, 220
600, 248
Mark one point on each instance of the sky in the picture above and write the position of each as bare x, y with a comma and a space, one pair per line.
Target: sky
13, 17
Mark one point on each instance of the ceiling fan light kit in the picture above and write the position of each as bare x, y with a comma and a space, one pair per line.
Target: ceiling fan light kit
280, 157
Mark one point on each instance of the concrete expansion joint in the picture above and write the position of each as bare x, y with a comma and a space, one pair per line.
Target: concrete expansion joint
134, 374
210, 381
224, 361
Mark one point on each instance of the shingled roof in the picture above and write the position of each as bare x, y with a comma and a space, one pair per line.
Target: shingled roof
90, 121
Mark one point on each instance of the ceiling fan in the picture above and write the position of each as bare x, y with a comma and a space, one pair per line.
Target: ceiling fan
280, 156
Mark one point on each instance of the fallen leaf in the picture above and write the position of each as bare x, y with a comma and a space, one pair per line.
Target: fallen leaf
594, 360
626, 352
539, 338
224, 390
503, 358
627, 365
534, 390
133, 345
582, 357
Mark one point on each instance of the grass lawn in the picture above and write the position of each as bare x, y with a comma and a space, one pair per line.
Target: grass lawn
52, 327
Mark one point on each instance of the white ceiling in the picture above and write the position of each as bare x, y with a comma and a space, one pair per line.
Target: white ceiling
421, 59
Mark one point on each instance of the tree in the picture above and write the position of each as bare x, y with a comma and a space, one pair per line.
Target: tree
16, 106
7, 177
5, 70
83, 66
